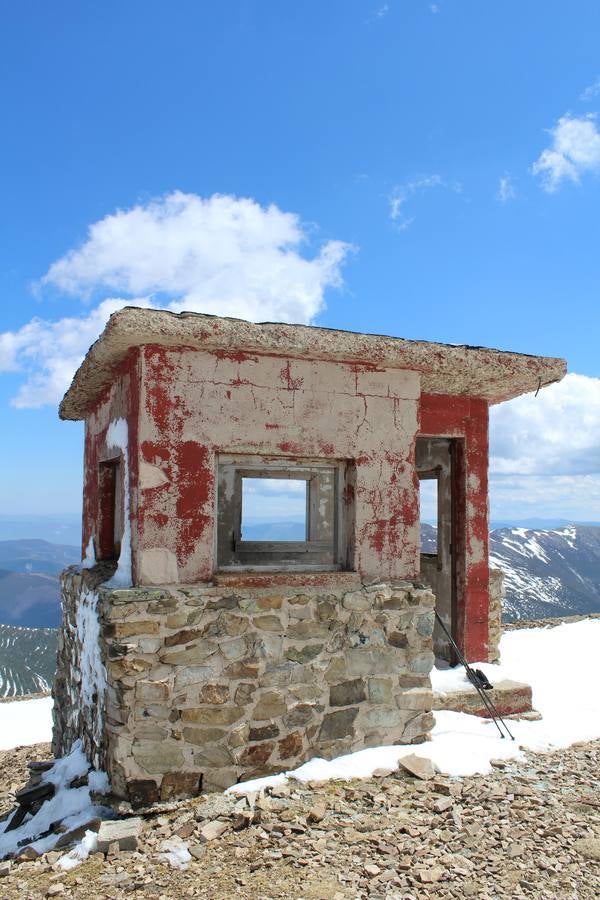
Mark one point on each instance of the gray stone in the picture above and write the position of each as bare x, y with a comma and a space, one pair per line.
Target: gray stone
357, 600
212, 830
421, 663
202, 736
425, 624
268, 623
417, 766
371, 662
124, 832
588, 847
244, 694
301, 714
338, 724
304, 654
234, 649
381, 717
347, 693
307, 630
157, 757
190, 656
219, 715
380, 690
270, 705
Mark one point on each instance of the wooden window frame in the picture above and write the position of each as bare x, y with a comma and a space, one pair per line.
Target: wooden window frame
325, 547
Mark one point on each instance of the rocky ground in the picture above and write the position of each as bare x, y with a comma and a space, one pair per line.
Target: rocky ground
527, 830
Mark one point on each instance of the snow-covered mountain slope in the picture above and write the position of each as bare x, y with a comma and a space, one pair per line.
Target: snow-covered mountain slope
27, 660
548, 573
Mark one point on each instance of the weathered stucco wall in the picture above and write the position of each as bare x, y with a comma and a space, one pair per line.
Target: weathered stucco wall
466, 419
196, 404
495, 614
209, 684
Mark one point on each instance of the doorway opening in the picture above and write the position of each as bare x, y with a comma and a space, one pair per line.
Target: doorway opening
437, 472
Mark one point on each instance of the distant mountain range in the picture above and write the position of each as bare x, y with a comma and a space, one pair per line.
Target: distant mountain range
548, 573
27, 660
29, 587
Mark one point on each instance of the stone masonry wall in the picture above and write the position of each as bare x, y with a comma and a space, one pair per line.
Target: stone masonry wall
495, 614
207, 685
79, 685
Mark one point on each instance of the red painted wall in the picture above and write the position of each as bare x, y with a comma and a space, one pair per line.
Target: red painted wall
121, 400
467, 419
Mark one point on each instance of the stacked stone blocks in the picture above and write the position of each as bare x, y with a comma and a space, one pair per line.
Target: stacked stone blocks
208, 685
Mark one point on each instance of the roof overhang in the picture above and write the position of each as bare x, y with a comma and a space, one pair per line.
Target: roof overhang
492, 375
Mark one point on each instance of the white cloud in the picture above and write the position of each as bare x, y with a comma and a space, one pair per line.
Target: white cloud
222, 254
506, 189
571, 497
591, 91
50, 352
575, 150
555, 433
403, 192
434, 8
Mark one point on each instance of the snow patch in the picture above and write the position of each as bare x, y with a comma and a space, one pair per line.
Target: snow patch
72, 806
175, 852
93, 673
561, 665
80, 852
25, 722
89, 560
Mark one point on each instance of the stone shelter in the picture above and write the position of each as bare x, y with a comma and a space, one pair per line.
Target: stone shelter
193, 654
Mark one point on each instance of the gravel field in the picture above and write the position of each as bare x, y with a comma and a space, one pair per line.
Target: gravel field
527, 830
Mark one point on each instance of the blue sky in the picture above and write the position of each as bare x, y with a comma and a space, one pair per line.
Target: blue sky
428, 170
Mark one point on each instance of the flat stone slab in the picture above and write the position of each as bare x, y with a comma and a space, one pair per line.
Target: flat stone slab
124, 832
417, 766
509, 697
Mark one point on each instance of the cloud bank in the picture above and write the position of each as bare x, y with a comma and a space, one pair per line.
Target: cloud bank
555, 433
575, 150
222, 254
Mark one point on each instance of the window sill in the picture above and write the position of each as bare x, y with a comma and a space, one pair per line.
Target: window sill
269, 577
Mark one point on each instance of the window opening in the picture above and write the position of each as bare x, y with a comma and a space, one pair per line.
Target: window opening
278, 513
428, 505
274, 509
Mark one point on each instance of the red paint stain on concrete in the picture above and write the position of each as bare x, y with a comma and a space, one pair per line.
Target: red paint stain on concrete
195, 484
235, 355
292, 384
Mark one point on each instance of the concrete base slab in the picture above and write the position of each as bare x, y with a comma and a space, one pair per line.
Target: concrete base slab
510, 698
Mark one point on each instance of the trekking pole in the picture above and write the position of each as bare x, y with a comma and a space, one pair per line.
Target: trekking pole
489, 705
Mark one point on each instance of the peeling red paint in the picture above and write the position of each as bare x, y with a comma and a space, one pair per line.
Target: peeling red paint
328, 449
361, 367
466, 418
159, 402
292, 449
153, 451
292, 384
235, 355
195, 487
